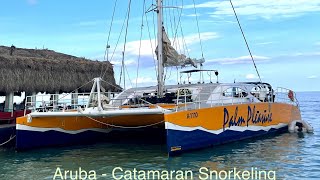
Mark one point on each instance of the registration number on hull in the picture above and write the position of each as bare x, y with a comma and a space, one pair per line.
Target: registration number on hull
192, 115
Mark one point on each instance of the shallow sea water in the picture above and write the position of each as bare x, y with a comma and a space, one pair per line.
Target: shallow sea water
291, 156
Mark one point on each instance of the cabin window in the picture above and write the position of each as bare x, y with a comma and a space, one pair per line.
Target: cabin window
235, 92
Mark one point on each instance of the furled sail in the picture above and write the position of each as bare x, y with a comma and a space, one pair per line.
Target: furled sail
172, 58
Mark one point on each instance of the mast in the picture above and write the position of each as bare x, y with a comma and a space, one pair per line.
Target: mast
160, 48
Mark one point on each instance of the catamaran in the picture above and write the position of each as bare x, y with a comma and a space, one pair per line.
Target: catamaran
188, 115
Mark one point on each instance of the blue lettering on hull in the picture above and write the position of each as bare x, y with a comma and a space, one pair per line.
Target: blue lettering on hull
253, 116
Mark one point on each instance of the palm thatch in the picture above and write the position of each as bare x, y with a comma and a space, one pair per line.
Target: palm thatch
33, 70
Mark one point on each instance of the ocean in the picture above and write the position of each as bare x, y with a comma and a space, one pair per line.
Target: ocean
286, 156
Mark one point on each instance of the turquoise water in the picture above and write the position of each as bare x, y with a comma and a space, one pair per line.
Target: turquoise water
290, 156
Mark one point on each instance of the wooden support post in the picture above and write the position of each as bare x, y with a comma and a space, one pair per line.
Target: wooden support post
8, 106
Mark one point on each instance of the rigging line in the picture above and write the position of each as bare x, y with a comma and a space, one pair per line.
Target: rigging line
184, 44
76, 89
125, 67
165, 76
111, 84
152, 49
176, 31
179, 21
169, 74
244, 37
107, 46
155, 39
120, 75
143, 13
181, 46
195, 11
166, 13
174, 24
177, 74
106, 52
111, 23
171, 25
154, 28
115, 48
125, 41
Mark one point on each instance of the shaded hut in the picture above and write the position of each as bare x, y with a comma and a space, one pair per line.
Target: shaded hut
42, 70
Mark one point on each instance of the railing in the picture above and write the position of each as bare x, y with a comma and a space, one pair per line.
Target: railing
183, 100
71, 101
283, 95
134, 100
221, 99
60, 102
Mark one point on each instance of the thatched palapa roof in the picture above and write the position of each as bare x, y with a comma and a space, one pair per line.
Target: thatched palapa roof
42, 70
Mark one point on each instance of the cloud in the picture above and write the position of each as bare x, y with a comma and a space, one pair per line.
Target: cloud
266, 9
251, 76
317, 43
194, 38
305, 54
127, 62
147, 49
239, 60
192, 15
32, 2
144, 80
148, 46
312, 77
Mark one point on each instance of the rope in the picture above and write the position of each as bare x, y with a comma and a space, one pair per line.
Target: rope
111, 84
124, 127
75, 90
244, 37
11, 137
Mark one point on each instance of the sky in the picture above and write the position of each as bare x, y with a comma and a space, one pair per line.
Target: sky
283, 35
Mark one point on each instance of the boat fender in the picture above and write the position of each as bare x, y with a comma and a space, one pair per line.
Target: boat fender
262, 94
29, 118
80, 109
300, 126
290, 95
